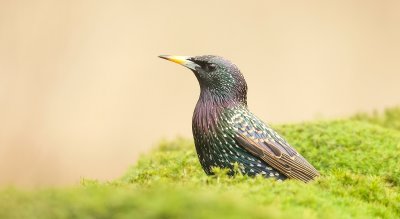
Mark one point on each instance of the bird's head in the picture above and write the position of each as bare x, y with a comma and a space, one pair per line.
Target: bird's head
218, 77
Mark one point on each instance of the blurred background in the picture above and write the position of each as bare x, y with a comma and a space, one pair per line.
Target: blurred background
83, 93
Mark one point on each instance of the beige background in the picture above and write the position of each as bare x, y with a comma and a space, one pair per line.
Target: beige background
83, 93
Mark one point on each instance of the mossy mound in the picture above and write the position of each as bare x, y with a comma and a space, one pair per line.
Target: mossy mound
358, 159
389, 119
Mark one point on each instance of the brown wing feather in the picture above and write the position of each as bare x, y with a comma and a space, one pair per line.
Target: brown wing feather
285, 160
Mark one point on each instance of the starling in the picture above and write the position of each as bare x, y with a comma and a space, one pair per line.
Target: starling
225, 131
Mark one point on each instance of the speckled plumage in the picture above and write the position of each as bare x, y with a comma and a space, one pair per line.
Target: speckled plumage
226, 132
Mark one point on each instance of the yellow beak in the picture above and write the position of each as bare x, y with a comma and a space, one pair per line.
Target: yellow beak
182, 60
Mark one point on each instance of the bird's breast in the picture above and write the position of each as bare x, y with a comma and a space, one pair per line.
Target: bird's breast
205, 118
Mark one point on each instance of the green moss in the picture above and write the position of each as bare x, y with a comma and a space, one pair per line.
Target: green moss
389, 119
357, 157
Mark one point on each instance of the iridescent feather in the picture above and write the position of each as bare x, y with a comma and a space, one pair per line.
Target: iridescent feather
226, 132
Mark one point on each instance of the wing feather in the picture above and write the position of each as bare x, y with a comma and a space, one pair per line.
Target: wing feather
277, 153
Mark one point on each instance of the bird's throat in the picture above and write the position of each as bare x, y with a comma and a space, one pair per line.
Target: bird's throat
208, 111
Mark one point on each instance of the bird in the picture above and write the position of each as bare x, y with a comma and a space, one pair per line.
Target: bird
227, 134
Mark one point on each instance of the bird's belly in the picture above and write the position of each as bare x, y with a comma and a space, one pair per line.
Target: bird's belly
233, 158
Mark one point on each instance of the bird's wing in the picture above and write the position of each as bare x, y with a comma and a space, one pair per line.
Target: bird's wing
271, 148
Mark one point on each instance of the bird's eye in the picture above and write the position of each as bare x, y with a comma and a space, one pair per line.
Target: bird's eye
206, 66
210, 67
